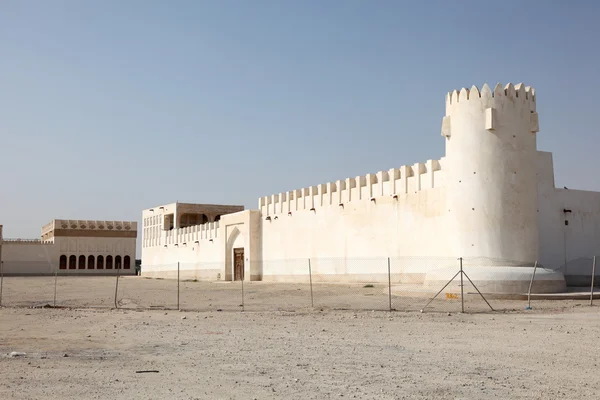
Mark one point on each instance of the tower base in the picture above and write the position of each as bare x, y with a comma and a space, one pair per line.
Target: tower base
498, 279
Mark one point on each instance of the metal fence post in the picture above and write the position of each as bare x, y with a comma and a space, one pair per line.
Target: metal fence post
462, 293
530, 285
1, 280
593, 276
55, 282
117, 286
178, 285
243, 306
389, 284
312, 303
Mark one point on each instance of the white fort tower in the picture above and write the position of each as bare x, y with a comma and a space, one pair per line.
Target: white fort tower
491, 161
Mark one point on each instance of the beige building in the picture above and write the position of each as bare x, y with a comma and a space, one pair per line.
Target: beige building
73, 247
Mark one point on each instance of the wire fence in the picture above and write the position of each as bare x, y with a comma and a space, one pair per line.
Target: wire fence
413, 284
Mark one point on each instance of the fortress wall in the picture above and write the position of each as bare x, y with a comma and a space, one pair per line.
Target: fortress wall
396, 181
567, 248
353, 232
198, 256
205, 231
29, 258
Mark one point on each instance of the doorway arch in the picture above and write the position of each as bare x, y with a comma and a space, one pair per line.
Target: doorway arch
236, 243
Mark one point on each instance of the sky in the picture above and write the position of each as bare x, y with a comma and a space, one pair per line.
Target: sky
111, 107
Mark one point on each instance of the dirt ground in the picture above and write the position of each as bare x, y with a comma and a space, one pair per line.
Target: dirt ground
549, 352
135, 292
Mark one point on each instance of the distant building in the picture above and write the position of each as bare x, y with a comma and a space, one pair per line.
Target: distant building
74, 247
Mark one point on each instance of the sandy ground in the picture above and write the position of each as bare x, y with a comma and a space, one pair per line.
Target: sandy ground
141, 293
94, 354
549, 352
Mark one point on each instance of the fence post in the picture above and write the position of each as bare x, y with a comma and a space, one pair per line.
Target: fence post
389, 285
117, 285
243, 273
1, 280
462, 293
55, 281
312, 303
530, 285
593, 276
177, 285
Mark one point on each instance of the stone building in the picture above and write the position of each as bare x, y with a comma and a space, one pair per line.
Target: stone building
491, 200
75, 247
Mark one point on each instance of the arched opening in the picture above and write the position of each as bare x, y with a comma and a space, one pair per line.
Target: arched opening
126, 262
217, 218
91, 263
81, 262
118, 264
63, 262
72, 262
235, 257
109, 262
100, 264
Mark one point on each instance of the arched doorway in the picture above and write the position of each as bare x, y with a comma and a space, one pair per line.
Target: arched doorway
109, 262
81, 262
100, 264
118, 264
91, 263
126, 262
72, 262
235, 258
63, 262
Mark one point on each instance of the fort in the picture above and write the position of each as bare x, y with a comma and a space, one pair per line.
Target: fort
490, 200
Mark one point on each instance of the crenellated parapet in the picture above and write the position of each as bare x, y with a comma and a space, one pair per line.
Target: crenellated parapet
191, 234
71, 224
393, 182
517, 97
88, 228
23, 241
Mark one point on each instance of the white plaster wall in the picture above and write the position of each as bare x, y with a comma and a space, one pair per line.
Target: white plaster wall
568, 248
357, 238
29, 259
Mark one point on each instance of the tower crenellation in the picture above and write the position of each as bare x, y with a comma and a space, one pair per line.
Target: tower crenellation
526, 94
504, 102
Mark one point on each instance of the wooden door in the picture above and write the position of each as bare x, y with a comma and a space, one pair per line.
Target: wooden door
238, 264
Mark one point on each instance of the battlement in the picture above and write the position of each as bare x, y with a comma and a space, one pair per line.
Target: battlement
24, 241
393, 182
519, 92
494, 104
191, 234
70, 224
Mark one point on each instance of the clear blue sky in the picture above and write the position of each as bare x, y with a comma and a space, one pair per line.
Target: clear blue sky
110, 107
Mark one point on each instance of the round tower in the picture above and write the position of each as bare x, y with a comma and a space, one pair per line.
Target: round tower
491, 179
491, 165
